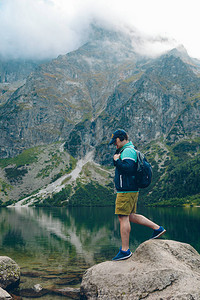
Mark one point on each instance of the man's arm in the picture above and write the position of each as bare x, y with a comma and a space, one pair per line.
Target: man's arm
126, 161
126, 165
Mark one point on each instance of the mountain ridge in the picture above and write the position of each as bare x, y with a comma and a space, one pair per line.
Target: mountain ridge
80, 98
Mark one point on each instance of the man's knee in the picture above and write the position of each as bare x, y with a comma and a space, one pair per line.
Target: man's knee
133, 217
123, 218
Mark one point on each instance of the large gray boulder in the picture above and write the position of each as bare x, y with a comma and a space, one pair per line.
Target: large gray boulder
158, 269
9, 272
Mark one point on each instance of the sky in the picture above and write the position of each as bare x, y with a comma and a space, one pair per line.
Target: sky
47, 28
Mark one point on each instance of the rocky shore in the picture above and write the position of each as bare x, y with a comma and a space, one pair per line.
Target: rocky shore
9, 276
10, 279
158, 269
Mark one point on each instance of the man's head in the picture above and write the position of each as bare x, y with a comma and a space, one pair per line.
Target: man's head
119, 138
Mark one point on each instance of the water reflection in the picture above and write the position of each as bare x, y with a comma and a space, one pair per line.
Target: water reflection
13, 238
63, 232
54, 245
90, 233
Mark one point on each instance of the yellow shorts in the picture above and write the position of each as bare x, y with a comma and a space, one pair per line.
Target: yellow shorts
126, 203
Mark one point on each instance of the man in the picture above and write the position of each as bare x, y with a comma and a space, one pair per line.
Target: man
125, 161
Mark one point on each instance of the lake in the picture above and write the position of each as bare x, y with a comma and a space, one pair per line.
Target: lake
54, 246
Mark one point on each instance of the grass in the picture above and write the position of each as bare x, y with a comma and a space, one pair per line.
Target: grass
25, 158
193, 200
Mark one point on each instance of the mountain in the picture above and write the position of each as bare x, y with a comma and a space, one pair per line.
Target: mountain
68, 90
13, 74
77, 100
16, 70
160, 102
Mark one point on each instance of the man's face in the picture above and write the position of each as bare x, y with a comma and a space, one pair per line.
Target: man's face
118, 143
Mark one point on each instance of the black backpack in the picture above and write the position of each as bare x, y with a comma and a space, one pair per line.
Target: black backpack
144, 171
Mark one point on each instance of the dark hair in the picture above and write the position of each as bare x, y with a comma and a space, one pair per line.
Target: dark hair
119, 133
123, 137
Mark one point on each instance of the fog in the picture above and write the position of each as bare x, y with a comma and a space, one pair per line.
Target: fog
47, 28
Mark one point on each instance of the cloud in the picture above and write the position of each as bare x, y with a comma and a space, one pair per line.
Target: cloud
154, 46
36, 28
46, 28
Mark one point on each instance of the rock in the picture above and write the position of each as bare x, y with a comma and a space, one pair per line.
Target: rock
159, 269
37, 287
38, 291
33, 292
72, 293
4, 295
9, 272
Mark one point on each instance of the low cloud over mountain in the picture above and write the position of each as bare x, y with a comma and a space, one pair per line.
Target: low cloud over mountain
47, 28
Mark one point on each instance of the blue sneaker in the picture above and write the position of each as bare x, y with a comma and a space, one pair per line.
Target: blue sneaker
122, 254
157, 233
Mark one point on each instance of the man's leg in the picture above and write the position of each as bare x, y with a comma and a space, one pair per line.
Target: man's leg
139, 219
125, 229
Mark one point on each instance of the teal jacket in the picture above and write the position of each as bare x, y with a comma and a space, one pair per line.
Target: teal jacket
126, 167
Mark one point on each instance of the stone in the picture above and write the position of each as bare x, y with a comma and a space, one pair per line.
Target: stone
37, 287
72, 293
9, 272
34, 292
158, 269
4, 295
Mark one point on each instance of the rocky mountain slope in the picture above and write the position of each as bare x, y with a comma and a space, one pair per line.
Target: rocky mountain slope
48, 175
13, 74
162, 103
77, 100
68, 90
16, 70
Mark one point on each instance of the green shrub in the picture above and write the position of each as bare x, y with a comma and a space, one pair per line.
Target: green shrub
93, 194
25, 158
15, 173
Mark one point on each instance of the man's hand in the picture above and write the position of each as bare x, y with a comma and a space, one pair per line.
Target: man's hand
116, 156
